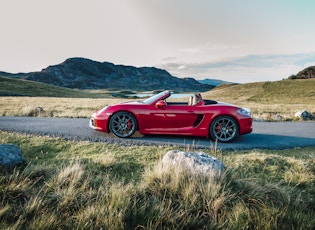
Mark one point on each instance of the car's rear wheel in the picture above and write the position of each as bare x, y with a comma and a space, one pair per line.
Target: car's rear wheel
224, 129
123, 124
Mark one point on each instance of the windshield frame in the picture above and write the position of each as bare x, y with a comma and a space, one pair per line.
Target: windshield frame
160, 96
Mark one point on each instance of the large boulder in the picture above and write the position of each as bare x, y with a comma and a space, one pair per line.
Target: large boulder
10, 155
304, 115
195, 163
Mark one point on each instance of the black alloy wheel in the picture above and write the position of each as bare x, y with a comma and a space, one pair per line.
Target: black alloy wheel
123, 124
224, 129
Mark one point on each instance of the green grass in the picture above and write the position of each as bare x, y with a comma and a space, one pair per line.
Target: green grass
20, 87
82, 185
283, 92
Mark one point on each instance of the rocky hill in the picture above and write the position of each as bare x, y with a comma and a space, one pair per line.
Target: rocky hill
81, 73
306, 73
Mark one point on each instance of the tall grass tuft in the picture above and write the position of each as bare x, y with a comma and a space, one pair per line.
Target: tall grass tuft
170, 197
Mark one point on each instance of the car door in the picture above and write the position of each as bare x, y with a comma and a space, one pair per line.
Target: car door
153, 118
177, 117
169, 118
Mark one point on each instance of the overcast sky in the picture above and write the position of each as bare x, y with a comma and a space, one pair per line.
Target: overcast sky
232, 40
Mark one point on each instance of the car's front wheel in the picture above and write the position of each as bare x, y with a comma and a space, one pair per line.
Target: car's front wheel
224, 129
123, 124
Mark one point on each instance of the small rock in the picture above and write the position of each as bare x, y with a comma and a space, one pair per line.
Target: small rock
196, 163
10, 155
39, 109
276, 117
304, 115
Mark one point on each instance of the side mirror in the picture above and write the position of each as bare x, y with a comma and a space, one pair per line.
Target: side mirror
160, 104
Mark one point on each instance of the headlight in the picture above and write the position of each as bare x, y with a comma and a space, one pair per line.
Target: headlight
244, 111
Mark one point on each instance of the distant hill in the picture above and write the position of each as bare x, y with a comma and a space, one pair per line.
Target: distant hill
214, 82
82, 73
306, 73
21, 87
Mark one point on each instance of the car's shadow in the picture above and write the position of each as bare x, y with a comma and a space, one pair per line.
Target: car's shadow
245, 142
270, 141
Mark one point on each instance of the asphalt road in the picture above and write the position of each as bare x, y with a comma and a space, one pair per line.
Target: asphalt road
265, 135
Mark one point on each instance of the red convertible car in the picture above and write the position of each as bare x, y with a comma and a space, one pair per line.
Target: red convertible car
159, 115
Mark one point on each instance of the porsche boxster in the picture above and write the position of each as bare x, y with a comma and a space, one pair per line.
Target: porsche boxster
161, 115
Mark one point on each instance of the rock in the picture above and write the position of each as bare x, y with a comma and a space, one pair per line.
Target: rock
276, 117
39, 110
304, 115
196, 163
10, 155
34, 111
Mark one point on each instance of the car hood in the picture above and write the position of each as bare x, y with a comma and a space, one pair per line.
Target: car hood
131, 103
224, 103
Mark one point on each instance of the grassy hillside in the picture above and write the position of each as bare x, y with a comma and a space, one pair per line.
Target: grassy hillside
268, 99
285, 92
20, 87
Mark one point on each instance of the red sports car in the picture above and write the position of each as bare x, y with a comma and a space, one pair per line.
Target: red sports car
160, 115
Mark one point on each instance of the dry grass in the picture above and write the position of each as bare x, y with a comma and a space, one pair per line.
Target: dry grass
267, 111
53, 106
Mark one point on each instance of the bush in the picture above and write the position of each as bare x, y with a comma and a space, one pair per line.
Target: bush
31, 111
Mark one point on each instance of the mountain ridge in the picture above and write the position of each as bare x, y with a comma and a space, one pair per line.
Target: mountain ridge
214, 82
83, 73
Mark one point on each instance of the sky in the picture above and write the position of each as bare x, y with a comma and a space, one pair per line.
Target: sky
233, 40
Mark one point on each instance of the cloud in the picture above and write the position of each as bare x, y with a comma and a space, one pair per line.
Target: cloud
169, 59
181, 67
246, 68
260, 61
207, 47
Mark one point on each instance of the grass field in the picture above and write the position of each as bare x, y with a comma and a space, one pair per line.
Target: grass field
83, 185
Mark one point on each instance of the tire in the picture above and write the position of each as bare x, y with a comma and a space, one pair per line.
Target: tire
224, 129
123, 124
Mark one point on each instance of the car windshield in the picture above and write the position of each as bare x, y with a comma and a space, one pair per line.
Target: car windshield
152, 99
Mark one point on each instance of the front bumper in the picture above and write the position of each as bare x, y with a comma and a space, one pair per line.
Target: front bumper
246, 125
99, 123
